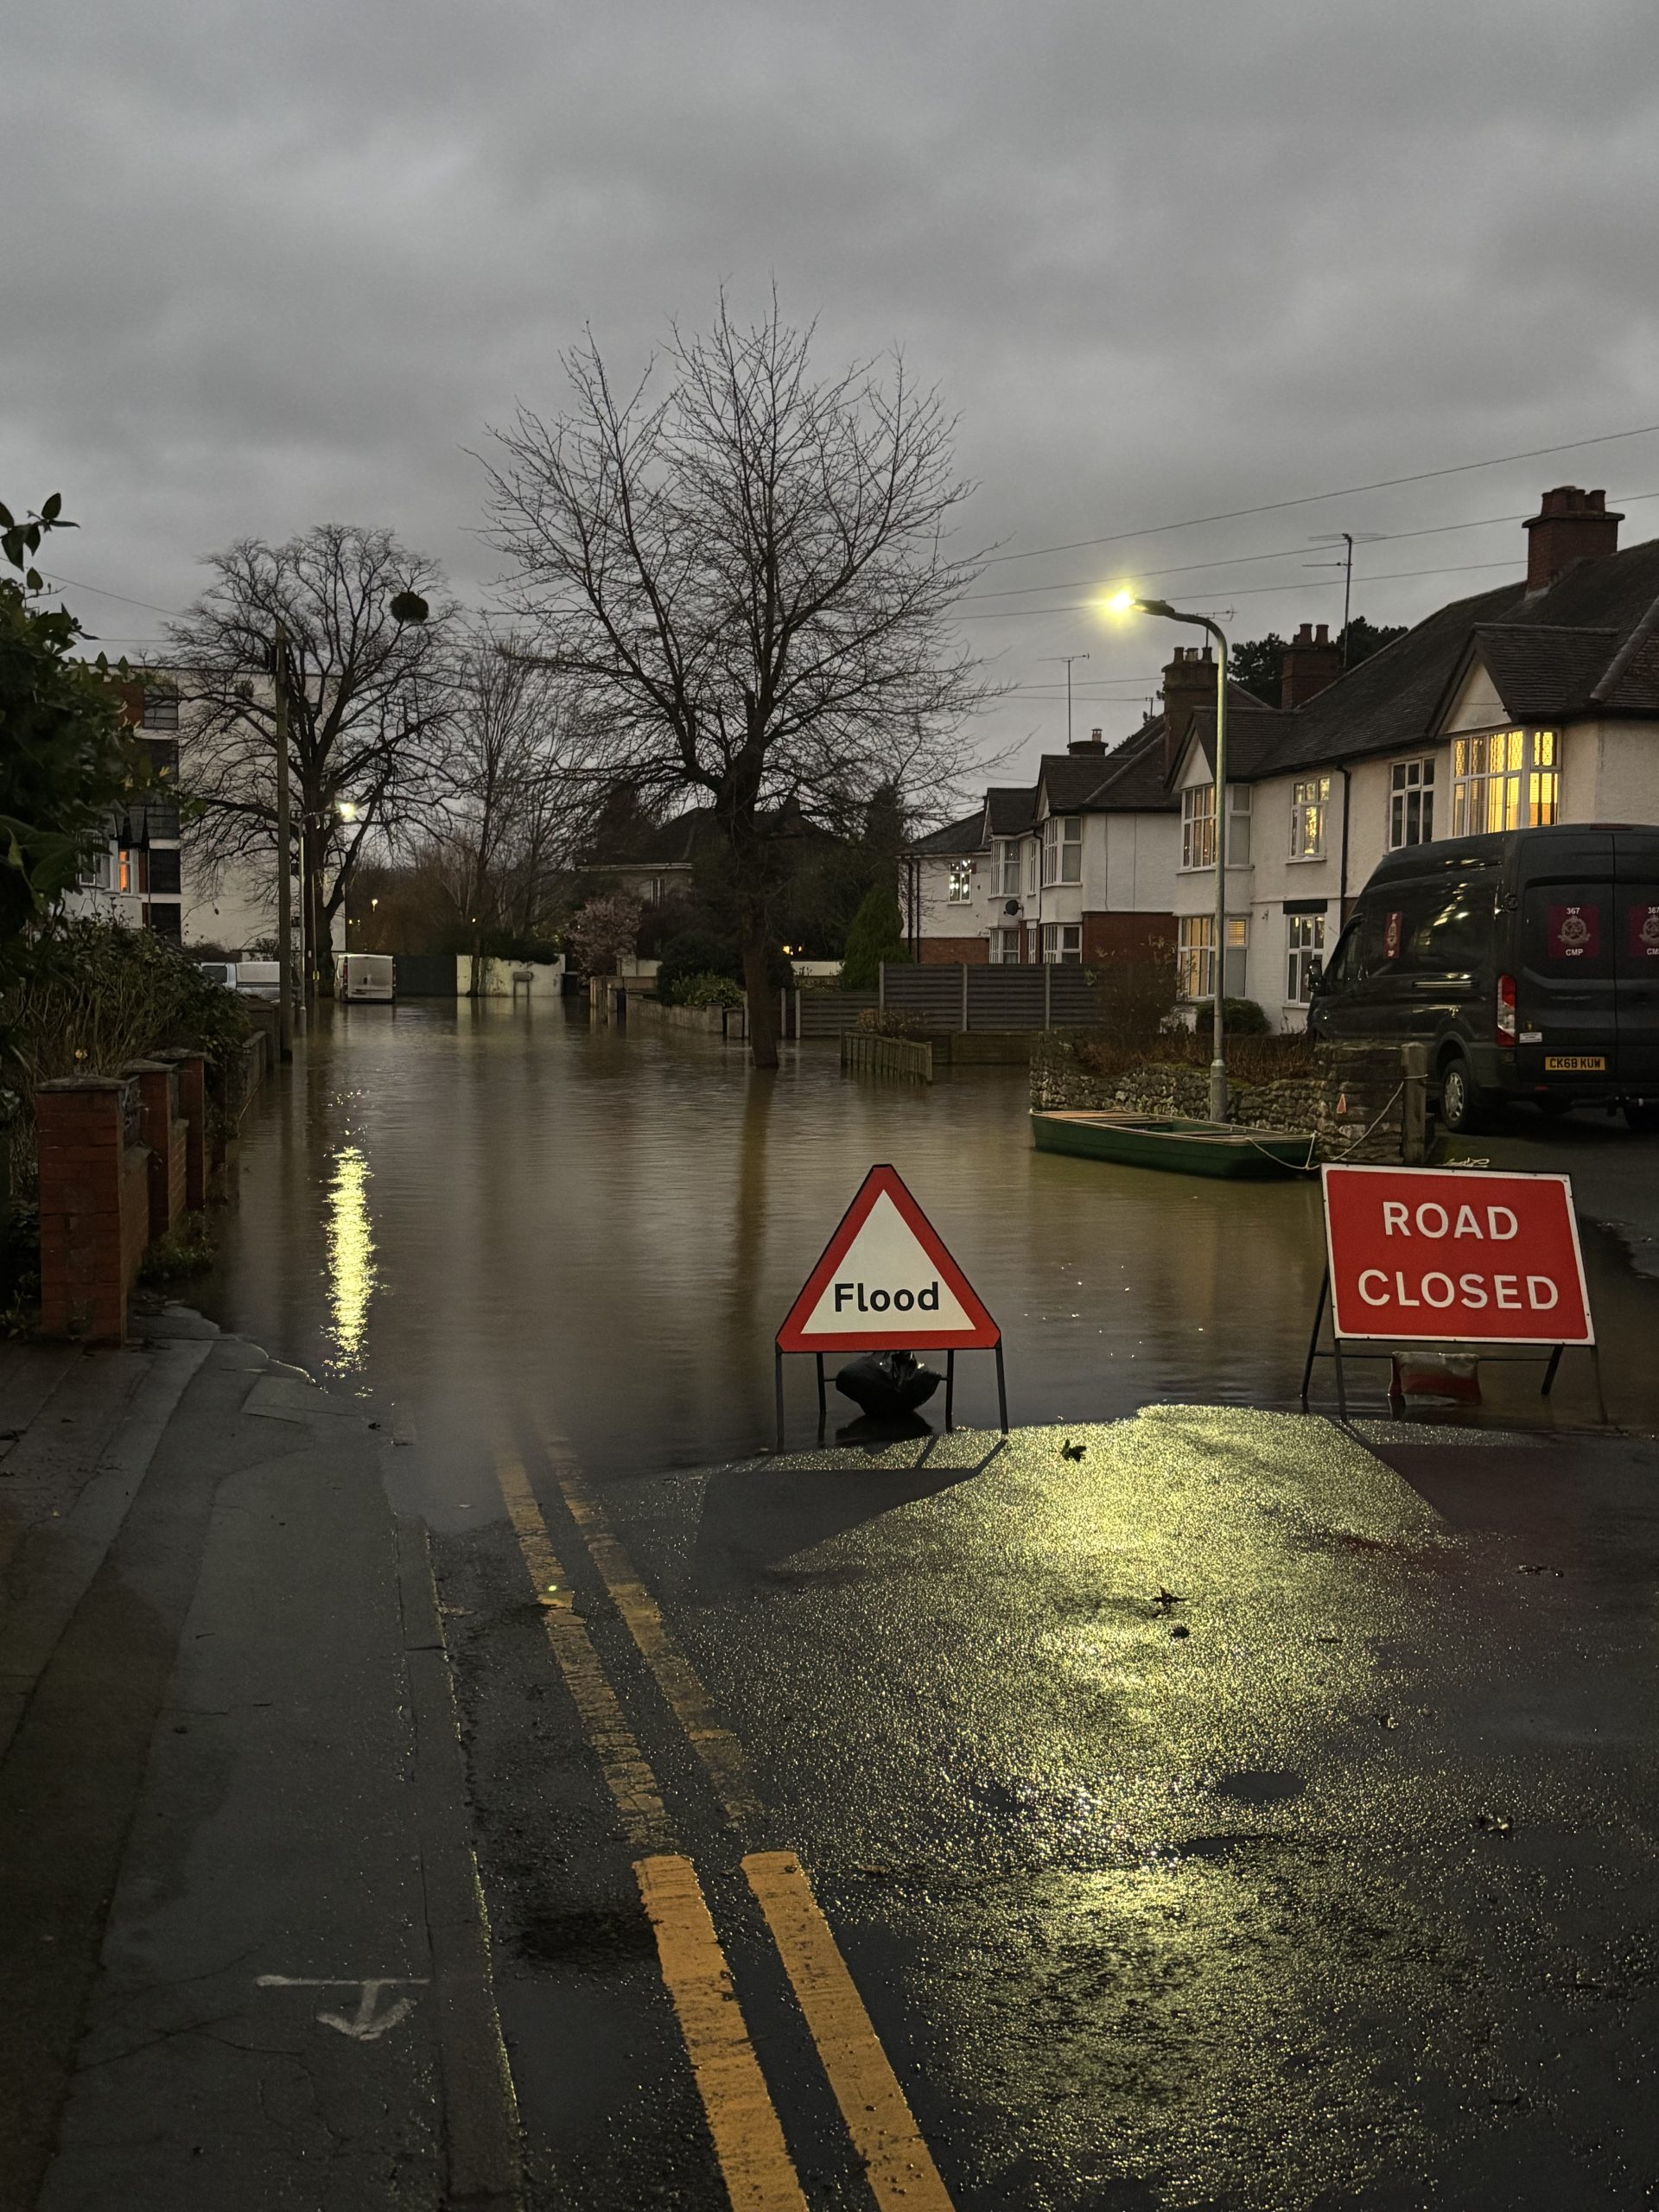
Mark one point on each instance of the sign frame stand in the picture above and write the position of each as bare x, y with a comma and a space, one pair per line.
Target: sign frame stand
780, 1356
1551, 1354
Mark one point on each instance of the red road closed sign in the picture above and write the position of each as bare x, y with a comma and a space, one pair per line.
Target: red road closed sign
1454, 1256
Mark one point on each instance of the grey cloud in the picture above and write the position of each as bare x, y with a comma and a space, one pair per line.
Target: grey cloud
270, 264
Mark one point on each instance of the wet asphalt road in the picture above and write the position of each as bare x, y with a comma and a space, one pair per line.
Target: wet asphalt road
1344, 1897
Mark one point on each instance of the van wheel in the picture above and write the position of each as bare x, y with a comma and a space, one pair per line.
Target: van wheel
1460, 1102
1642, 1115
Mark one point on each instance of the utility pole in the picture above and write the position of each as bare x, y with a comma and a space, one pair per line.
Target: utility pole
284, 838
1068, 658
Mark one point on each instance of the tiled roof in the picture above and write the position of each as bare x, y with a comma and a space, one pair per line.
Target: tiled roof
967, 835
1012, 808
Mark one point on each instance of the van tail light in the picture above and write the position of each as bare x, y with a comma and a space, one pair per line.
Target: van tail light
1506, 1024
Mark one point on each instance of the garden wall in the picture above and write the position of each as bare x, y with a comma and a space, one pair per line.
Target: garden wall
1348, 1092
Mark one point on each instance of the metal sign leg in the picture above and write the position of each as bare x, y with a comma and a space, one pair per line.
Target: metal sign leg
823, 1405
778, 1360
1550, 1372
1002, 1389
949, 1389
1313, 1340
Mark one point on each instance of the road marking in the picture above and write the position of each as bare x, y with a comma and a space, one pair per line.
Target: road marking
719, 1750
901, 2171
367, 2024
754, 2160
632, 1783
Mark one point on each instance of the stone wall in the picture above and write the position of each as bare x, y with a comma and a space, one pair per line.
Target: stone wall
1350, 1100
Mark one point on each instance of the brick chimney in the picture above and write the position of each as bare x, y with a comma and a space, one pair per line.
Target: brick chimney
1093, 743
1570, 525
1313, 660
1189, 681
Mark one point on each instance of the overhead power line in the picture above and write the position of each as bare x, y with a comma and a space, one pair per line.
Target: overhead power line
1252, 591
1312, 498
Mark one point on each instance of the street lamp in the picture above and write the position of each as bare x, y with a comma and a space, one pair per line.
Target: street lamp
1126, 602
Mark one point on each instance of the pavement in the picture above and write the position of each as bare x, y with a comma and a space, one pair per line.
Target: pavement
242, 1961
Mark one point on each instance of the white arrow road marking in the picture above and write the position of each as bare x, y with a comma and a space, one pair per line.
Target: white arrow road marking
366, 2025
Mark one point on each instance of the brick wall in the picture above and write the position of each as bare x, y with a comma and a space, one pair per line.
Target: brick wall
940, 951
161, 1129
94, 1202
1105, 935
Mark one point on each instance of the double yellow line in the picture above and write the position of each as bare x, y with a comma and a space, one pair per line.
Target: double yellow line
749, 2137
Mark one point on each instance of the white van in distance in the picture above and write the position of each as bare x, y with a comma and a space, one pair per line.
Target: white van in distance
365, 976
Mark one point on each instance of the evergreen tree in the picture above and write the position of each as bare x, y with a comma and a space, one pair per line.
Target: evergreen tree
876, 934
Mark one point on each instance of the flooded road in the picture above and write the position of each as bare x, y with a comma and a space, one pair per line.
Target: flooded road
448, 1202
1180, 1805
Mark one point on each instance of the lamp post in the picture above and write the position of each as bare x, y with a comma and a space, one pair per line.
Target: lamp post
1125, 601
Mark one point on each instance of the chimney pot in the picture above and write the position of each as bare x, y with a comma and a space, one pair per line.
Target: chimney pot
1311, 661
1571, 524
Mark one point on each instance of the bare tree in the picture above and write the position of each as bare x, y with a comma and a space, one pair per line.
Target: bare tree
512, 791
751, 577
368, 699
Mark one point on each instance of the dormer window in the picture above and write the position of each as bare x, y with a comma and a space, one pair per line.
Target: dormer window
1508, 779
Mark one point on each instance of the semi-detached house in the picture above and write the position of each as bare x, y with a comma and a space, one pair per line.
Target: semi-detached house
1535, 702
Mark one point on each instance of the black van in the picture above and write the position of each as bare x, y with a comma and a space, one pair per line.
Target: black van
1527, 962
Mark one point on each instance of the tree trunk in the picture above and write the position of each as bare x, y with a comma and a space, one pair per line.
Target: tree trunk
763, 1004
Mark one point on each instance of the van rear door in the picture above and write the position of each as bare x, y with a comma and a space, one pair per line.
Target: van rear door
1636, 959
1566, 994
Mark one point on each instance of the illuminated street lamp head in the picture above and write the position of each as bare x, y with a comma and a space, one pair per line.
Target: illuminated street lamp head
1123, 601
347, 809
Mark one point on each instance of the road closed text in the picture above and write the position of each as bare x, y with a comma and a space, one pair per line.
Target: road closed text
1456, 1256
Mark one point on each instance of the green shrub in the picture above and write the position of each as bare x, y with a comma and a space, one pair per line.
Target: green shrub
84, 997
888, 1021
708, 990
187, 1249
690, 954
1242, 1018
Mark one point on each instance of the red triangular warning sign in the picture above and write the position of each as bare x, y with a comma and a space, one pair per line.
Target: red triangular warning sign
886, 1283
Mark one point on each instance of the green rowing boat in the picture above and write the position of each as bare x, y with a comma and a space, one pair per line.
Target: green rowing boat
1184, 1147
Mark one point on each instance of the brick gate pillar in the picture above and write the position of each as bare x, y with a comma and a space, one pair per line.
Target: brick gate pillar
94, 1204
161, 1129
191, 1069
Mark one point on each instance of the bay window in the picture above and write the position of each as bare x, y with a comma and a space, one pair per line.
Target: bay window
1505, 779
1063, 849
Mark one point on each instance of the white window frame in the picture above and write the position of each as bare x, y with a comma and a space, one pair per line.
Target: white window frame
959, 888
1505, 779
1062, 850
1062, 945
1006, 867
1005, 947
1310, 804
1197, 828
1030, 844
1195, 956
1304, 942
1411, 802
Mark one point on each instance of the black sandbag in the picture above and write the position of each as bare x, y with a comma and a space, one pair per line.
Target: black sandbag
887, 1384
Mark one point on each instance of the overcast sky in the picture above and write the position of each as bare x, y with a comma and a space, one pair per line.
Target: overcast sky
264, 266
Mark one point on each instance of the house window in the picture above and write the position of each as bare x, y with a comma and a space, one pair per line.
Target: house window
1062, 945
1411, 804
1305, 952
1030, 864
1198, 826
1308, 800
1238, 825
161, 707
1005, 947
961, 882
1195, 953
97, 870
1063, 849
1005, 867
1508, 779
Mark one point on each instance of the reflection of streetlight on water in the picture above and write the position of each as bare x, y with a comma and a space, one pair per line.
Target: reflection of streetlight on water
351, 1256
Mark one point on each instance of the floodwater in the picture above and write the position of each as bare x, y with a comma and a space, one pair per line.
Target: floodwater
452, 1206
